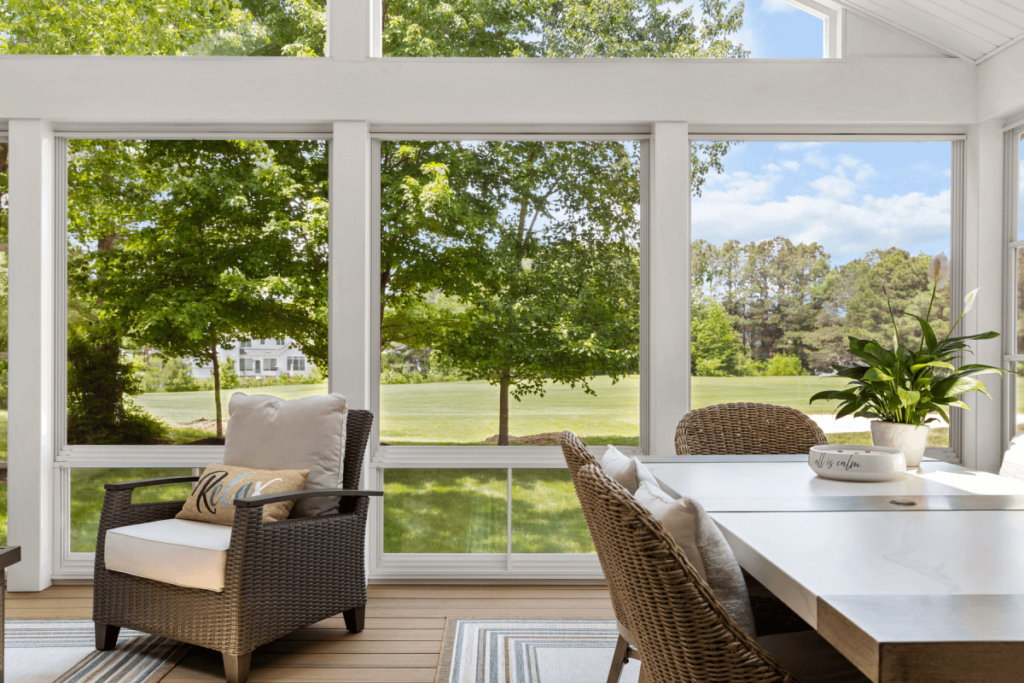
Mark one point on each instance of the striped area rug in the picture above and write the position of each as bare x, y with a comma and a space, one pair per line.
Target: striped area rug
64, 652
514, 651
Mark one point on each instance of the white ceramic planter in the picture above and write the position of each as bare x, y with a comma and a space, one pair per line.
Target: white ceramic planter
907, 438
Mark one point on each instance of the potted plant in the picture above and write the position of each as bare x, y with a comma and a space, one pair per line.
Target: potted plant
907, 389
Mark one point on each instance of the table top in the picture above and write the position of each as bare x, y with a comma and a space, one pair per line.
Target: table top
9, 554
782, 486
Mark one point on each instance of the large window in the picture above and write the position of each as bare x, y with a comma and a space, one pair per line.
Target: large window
792, 245
1013, 330
178, 254
174, 27
510, 310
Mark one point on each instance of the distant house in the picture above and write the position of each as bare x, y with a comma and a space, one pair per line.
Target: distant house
260, 358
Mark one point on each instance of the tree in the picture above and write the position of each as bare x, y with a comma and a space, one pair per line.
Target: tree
716, 349
210, 262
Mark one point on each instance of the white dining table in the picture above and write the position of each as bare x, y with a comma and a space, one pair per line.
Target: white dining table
919, 579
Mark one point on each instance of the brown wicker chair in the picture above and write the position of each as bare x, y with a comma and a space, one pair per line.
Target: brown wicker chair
280, 576
746, 428
683, 631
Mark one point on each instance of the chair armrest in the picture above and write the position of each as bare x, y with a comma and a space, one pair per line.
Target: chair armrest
141, 483
259, 501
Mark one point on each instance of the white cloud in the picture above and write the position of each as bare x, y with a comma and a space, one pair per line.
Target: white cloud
791, 165
797, 146
776, 6
847, 224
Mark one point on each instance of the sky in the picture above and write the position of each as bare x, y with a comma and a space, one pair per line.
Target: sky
849, 197
776, 29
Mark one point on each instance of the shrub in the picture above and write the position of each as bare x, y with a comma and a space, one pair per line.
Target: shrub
781, 365
100, 383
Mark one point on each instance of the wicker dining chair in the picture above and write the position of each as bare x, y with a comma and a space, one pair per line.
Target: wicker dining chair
684, 633
746, 428
280, 576
577, 455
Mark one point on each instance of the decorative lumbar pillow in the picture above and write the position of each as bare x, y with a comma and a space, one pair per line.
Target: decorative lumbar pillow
211, 499
629, 472
268, 433
704, 546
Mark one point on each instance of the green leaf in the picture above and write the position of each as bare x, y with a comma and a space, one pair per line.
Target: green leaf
876, 375
908, 398
929, 334
932, 364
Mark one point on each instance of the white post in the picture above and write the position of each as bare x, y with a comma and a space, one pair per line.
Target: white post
668, 388
353, 29
350, 269
30, 425
983, 268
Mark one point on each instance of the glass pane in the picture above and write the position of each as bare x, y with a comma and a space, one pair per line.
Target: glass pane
790, 244
1020, 193
1019, 425
546, 514
445, 511
177, 27
625, 28
3, 342
195, 269
539, 332
87, 497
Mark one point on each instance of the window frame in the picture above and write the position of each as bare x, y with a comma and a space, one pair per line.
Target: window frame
954, 452
507, 565
67, 565
1013, 139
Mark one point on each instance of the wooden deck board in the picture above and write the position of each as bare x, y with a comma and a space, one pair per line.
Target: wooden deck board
400, 644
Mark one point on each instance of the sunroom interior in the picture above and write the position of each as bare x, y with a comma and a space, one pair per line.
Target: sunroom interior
487, 224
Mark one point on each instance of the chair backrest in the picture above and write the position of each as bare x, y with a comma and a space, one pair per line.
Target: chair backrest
683, 632
357, 434
746, 429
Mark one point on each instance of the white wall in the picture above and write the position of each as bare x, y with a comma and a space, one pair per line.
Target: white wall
864, 37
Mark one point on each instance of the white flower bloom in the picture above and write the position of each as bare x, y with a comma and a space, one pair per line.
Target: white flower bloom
938, 270
969, 300
527, 264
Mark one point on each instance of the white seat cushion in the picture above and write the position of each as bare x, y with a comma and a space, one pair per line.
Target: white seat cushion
176, 551
811, 658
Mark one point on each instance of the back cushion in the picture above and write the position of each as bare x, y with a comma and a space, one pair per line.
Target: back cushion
629, 472
268, 433
704, 546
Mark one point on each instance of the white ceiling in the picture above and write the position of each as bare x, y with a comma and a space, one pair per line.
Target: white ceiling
971, 29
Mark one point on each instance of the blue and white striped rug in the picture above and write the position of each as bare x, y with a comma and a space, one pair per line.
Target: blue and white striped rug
512, 651
65, 652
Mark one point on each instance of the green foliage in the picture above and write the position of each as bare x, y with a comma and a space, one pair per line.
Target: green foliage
100, 384
228, 375
716, 349
161, 373
908, 386
781, 365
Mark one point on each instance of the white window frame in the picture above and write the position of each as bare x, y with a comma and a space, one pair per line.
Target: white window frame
952, 453
1012, 139
76, 566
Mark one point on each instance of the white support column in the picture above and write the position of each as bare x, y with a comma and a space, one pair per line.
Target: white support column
353, 29
30, 440
351, 274
983, 268
668, 388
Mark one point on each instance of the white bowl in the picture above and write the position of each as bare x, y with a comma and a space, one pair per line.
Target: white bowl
857, 463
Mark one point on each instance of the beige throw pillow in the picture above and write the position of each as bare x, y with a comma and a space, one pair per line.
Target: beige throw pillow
704, 546
629, 472
302, 434
211, 499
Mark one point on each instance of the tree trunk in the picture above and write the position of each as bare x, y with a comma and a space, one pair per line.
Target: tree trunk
503, 408
216, 390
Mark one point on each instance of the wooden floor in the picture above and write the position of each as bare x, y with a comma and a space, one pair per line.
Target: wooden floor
401, 642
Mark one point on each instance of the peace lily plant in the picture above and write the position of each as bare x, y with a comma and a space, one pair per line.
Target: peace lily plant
906, 389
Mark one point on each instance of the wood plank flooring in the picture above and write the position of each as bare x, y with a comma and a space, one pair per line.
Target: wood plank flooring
401, 642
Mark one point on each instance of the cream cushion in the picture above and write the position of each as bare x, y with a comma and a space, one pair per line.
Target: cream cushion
176, 551
704, 546
1013, 459
629, 472
268, 433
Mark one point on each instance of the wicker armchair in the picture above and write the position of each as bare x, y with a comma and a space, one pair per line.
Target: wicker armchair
280, 576
683, 631
746, 428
